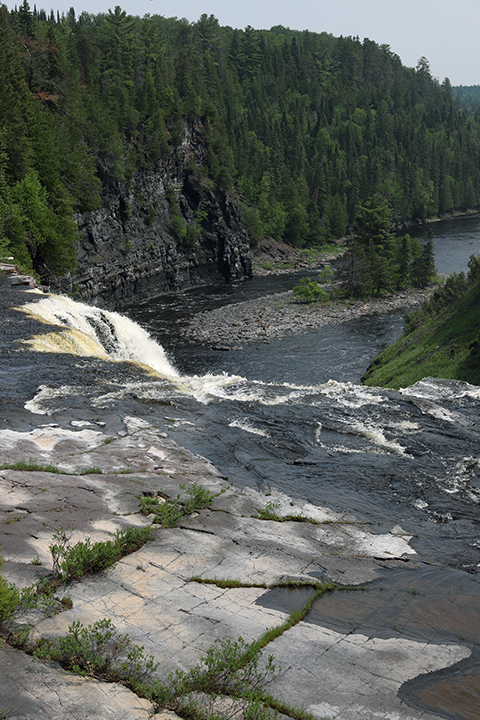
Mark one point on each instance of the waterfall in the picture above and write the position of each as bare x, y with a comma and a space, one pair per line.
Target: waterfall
85, 330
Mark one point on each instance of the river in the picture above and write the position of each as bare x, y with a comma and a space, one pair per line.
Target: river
291, 415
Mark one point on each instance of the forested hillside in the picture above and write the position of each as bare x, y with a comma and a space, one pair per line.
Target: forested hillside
468, 99
441, 339
303, 127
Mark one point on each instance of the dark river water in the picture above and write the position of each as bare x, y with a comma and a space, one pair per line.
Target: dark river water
340, 353
292, 415
297, 400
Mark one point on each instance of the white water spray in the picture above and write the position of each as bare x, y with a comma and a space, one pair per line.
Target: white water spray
84, 330
87, 330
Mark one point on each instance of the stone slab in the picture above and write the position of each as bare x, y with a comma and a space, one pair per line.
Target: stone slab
32, 690
151, 595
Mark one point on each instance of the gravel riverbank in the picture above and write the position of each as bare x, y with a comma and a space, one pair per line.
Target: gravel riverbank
281, 314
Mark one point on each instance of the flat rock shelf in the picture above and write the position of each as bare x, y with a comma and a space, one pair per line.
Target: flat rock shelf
399, 637
150, 593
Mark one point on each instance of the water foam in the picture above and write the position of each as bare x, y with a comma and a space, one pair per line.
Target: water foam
350, 395
440, 389
377, 437
88, 330
37, 404
247, 426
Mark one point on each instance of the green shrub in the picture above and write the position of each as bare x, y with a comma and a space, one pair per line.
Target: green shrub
228, 668
168, 513
178, 227
191, 234
71, 562
9, 597
99, 650
269, 512
308, 290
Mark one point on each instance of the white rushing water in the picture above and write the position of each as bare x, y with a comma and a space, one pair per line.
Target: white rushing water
411, 456
86, 330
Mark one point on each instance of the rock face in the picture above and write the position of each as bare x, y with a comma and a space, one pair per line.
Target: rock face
165, 230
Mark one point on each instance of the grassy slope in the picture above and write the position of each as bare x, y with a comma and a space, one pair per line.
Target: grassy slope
444, 346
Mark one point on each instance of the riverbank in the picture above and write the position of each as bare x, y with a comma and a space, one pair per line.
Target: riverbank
275, 316
274, 257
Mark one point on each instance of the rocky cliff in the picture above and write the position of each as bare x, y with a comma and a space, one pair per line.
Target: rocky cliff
165, 230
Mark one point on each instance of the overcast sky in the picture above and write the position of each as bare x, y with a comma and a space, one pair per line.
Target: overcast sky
445, 32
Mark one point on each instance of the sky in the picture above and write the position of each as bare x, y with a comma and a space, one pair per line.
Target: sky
445, 32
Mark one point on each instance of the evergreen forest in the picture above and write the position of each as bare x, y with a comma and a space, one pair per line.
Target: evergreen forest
468, 99
302, 127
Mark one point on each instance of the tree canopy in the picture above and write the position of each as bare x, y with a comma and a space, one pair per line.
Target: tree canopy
376, 260
303, 127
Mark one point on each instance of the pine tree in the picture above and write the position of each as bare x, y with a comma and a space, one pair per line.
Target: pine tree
427, 263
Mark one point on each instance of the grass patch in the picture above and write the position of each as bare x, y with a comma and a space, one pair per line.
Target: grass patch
30, 466
251, 652
294, 618
169, 512
269, 512
225, 583
71, 562
441, 339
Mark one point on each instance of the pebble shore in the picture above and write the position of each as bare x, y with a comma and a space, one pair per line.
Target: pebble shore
275, 316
